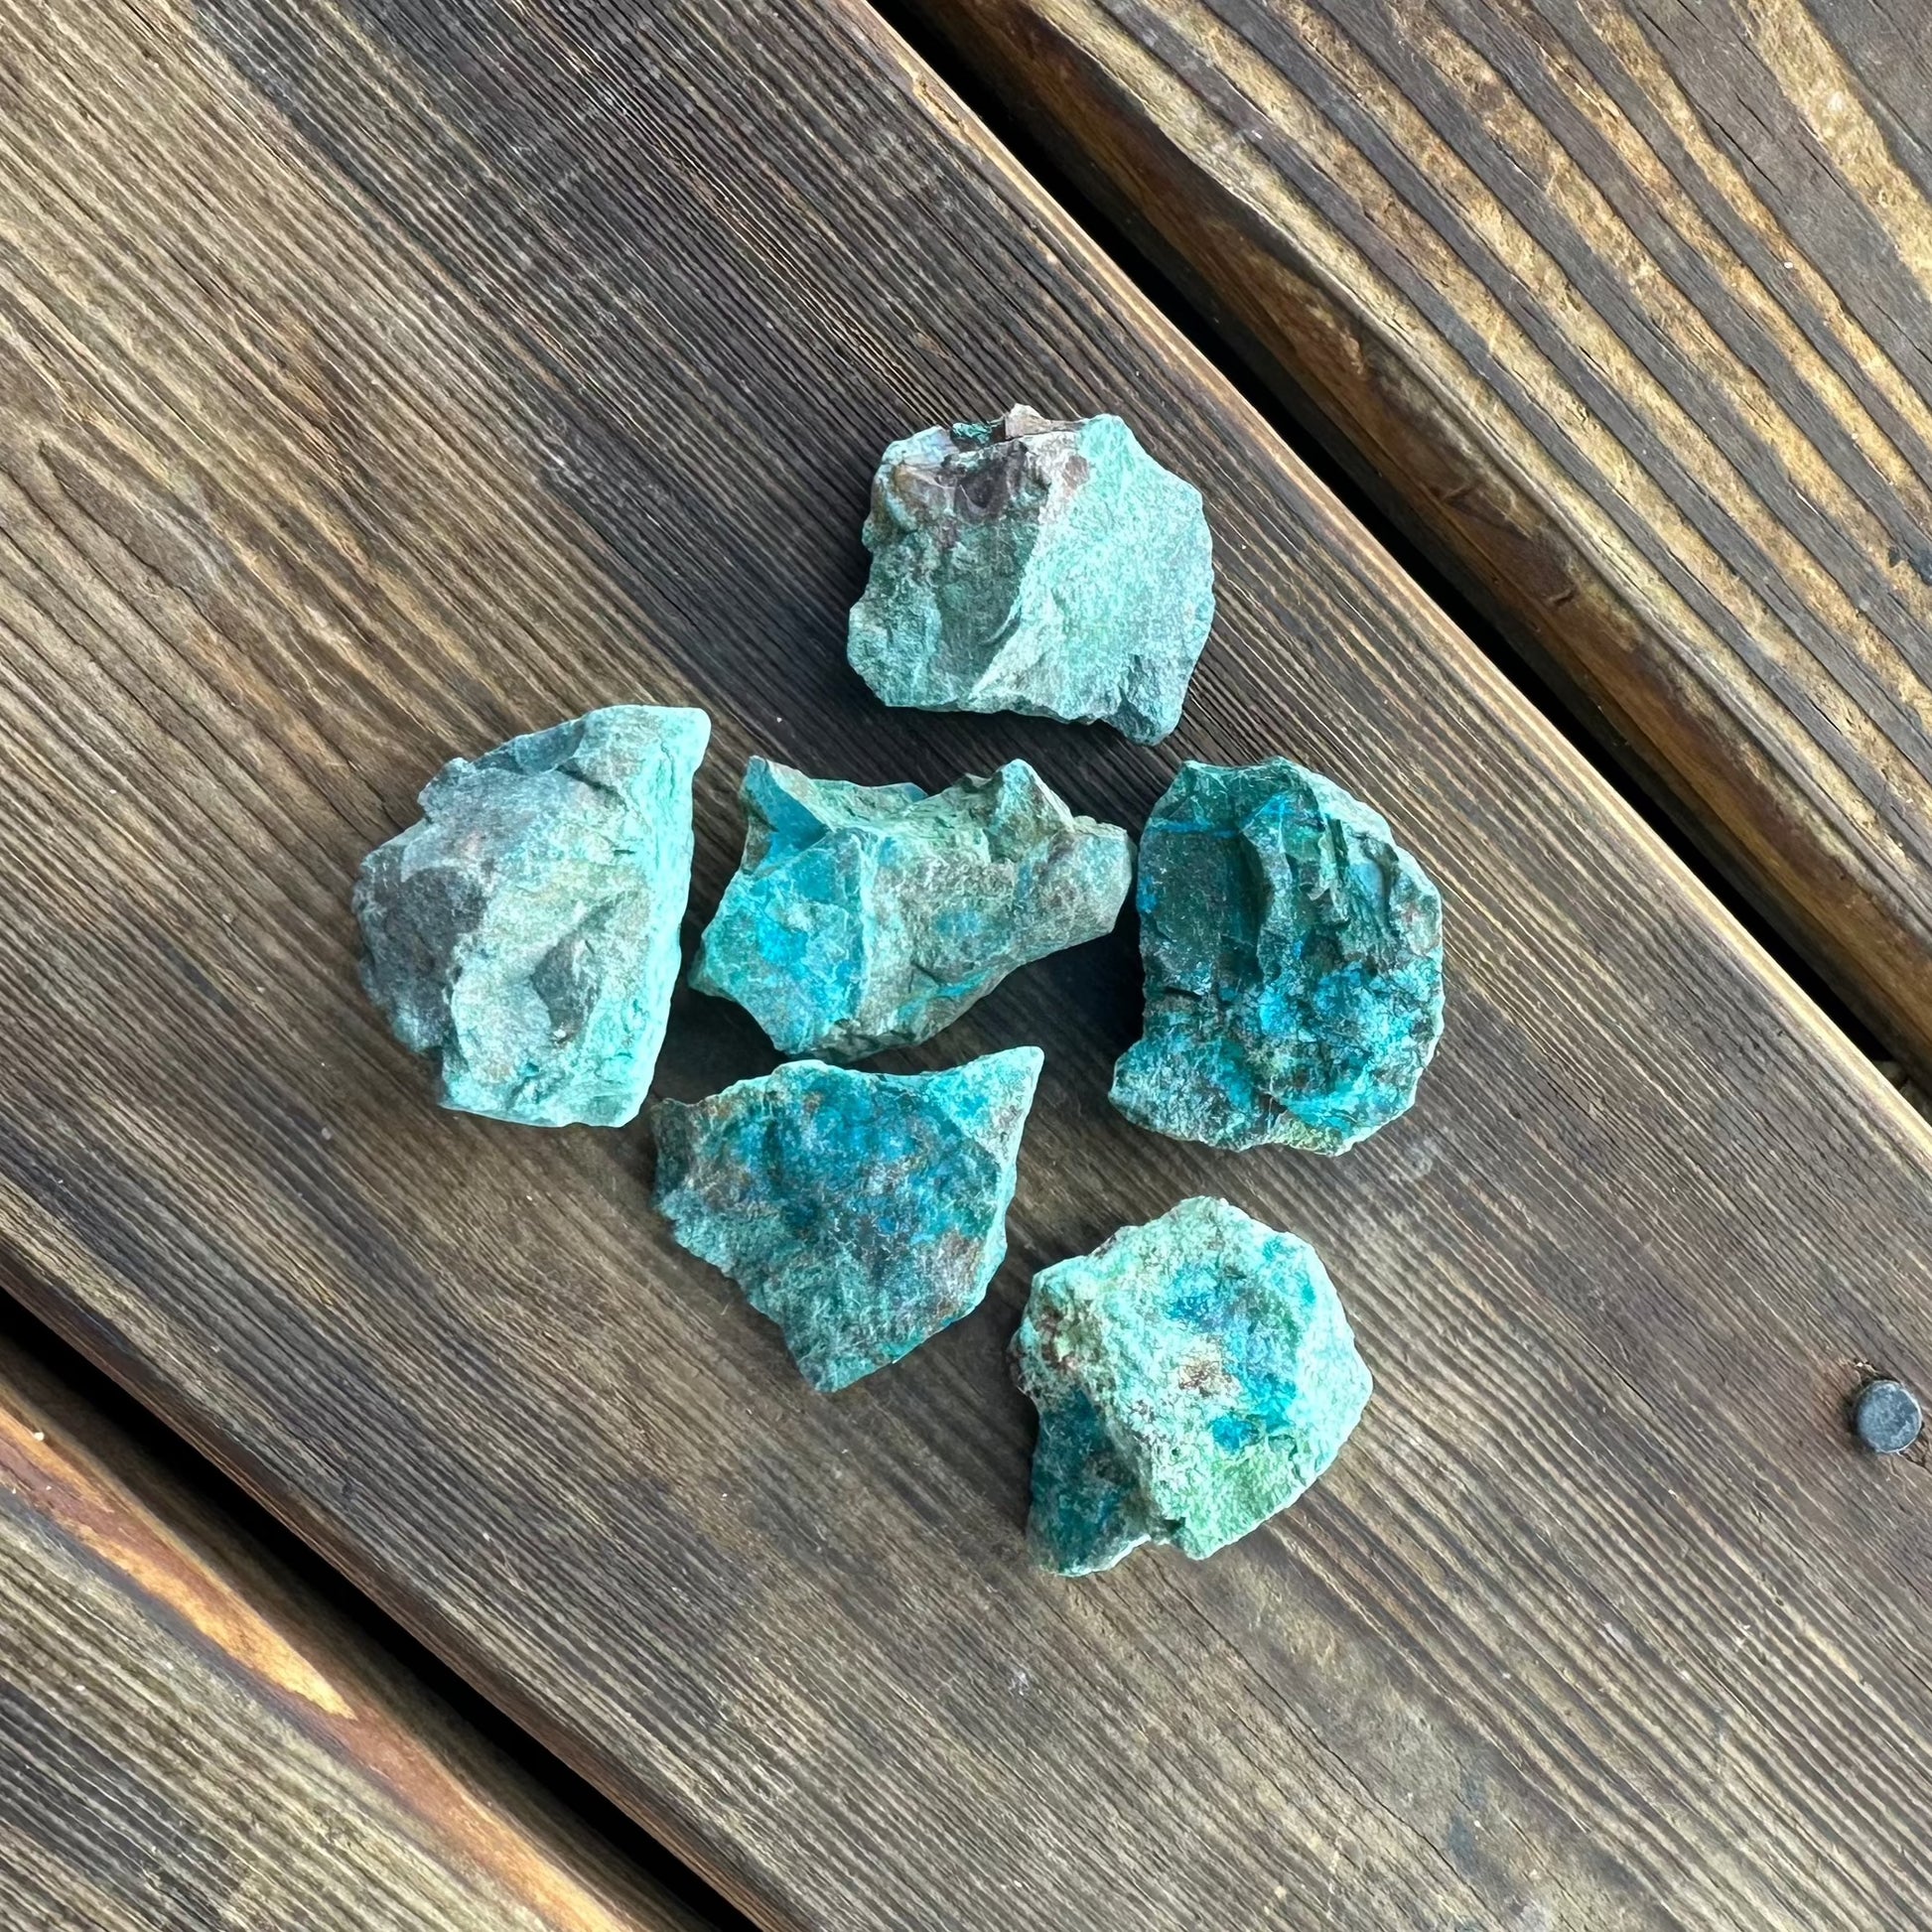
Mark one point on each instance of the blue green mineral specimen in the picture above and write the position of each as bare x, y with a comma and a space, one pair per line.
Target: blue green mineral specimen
1193, 1375
1293, 961
524, 931
862, 1213
1031, 565
867, 916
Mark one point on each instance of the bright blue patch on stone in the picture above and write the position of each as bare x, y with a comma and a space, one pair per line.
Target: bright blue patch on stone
525, 932
866, 916
1293, 961
1193, 1375
861, 1211
1035, 566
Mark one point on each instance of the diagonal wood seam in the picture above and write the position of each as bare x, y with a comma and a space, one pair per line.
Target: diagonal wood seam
1828, 858
1480, 672
1727, 940
1639, 511
63, 1484
65, 1260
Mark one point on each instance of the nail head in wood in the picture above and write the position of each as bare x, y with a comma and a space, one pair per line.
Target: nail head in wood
1886, 1418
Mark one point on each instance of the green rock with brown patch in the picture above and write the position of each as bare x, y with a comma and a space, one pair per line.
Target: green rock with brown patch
862, 1213
1193, 1376
1038, 566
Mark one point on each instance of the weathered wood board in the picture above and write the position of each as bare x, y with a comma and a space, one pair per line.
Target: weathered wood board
192, 1742
1625, 305
383, 378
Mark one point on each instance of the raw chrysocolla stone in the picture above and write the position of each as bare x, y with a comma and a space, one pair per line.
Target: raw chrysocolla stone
1031, 565
861, 1211
867, 916
1294, 960
1193, 1375
524, 931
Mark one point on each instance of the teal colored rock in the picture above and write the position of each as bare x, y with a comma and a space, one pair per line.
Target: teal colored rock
861, 1211
523, 933
1038, 566
1192, 1376
867, 916
1294, 960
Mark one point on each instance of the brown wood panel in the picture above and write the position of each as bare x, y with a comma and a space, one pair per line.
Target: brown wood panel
192, 1742
1625, 305
381, 378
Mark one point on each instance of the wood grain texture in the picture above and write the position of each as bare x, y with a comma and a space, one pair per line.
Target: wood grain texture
1626, 304
382, 378
192, 1743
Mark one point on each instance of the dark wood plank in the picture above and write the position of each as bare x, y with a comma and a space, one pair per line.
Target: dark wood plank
383, 378
189, 1741
1624, 307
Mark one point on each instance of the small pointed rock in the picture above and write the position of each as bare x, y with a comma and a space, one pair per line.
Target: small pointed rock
1029, 565
862, 1213
867, 916
1293, 961
523, 933
1193, 1375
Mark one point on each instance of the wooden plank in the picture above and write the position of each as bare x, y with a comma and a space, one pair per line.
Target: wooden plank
381, 378
1624, 305
189, 1738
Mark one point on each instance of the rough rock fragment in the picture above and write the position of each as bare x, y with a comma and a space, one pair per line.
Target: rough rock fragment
524, 931
1193, 1375
862, 1213
866, 916
1294, 962
1038, 565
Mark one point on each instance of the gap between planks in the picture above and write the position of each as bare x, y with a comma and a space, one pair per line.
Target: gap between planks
1748, 681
